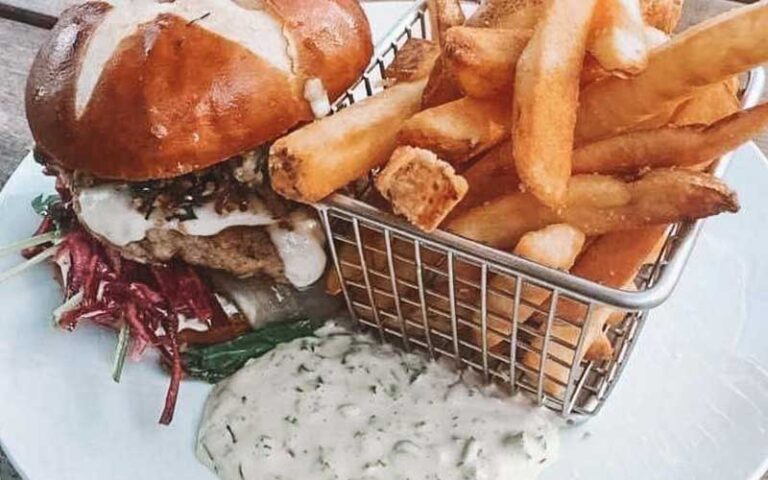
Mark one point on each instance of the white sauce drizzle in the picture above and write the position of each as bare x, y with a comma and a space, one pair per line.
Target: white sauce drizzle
253, 28
344, 407
300, 248
108, 211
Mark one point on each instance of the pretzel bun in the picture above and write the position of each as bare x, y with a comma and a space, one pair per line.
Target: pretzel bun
147, 89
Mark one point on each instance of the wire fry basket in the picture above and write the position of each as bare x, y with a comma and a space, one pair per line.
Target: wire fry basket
451, 297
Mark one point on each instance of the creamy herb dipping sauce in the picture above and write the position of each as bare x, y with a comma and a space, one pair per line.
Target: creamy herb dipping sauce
342, 406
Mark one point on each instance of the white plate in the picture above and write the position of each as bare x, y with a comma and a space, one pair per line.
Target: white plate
693, 403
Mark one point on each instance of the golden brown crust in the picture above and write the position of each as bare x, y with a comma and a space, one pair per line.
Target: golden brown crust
413, 62
332, 39
444, 14
507, 14
50, 92
420, 186
441, 87
460, 130
324, 156
176, 97
662, 14
483, 60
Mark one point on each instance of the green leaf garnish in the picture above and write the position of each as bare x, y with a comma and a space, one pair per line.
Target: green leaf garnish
42, 204
216, 362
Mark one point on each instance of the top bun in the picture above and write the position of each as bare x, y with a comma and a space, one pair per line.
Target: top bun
148, 89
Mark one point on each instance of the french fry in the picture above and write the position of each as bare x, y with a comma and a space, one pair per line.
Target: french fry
711, 104
441, 87
662, 14
618, 40
563, 339
458, 130
521, 213
414, 61
374, 247
491, 176
332, 282
708, 53
600, 347
597, 191
324, 156
615, 259
546, 99
593, 71
420, 186
404, 269
690, 110
612, 260
660, 197
598, 205
670, 146
507, 14
483, 60
655, 37
555, 246
349, 256
444, 14
503, 107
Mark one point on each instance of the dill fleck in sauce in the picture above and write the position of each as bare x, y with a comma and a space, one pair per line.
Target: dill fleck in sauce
342, 406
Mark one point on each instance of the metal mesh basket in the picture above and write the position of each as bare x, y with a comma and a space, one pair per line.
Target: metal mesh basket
455, 298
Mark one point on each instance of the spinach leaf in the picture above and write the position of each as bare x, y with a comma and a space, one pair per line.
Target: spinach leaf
51, 206
216, 362
42, 204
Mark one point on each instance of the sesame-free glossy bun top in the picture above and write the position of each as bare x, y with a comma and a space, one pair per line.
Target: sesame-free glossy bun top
146, 89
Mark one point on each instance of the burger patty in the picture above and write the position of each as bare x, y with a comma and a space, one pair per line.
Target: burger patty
242, 251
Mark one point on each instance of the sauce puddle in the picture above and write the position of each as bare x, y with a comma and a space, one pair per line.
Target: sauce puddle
342, 406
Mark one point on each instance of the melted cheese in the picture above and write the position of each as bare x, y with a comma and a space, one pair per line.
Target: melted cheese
301, 248
107, 211
245, 24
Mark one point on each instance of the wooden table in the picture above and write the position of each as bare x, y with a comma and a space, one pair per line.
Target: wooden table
23, 26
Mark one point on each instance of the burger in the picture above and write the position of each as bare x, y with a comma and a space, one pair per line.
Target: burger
156, 116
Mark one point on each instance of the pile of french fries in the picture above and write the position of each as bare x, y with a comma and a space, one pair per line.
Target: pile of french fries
569, 132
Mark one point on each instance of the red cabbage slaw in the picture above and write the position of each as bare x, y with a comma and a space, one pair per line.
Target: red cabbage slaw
102, 287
